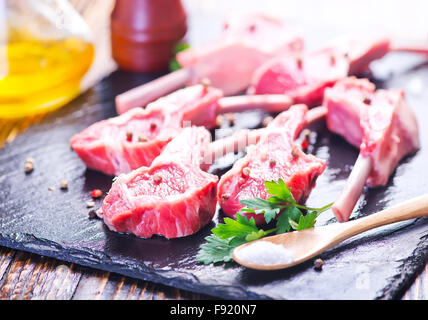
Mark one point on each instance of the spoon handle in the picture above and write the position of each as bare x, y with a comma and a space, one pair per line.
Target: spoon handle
411, 209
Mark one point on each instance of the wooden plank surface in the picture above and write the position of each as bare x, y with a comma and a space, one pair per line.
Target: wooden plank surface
28, 276
25, 276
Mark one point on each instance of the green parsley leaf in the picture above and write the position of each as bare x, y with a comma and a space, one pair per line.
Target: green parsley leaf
257, 204
294, 213
215, 250
307, 221
279, 191
282, 223
261, 206
255, 235
270, 214
236, 242
240, 227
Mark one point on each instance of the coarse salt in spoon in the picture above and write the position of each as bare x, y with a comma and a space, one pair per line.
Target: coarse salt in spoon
289, 249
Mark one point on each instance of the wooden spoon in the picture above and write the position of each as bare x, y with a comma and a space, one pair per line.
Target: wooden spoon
309, 243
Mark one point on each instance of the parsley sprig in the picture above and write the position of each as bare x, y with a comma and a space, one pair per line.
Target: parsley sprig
234, 232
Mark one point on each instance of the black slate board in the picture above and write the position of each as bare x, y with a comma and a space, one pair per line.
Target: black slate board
378, 264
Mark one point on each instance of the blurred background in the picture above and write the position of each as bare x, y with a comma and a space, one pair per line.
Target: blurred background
319, 20
45, 63
326, 18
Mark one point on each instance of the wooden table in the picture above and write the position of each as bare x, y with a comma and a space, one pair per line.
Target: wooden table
28, 276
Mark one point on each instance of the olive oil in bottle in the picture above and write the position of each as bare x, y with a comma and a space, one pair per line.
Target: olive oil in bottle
40, 67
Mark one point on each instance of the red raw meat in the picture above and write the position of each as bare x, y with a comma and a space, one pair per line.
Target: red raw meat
305, 78
361, 50
390, 133
275, 156
229, 62
106, 145
173, 197
302, 77
381, 124
135, 138
369, 119
246, 43
343, 102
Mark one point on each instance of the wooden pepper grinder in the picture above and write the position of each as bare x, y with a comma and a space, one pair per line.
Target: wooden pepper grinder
145, 32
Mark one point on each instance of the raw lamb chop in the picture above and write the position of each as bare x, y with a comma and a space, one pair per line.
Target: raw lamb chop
275, 156
381, 123
361, 50
173, 197
135, 138
343, 103
228, 63
302, 77
305, 78
129, 141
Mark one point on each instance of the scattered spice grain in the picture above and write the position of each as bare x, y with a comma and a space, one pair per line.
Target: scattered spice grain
231, 118
246, 172
157, 178
96, 193
305, 144
318, 263
92, 215
64, 184
142, 139
29, 165
90, 204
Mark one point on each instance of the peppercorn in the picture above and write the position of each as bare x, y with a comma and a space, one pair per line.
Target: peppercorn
246, 172
142, 139
96, 193
29, 165
92, 215
367, 100
157, 178
305, 144
64, 184
318, 263
205, 82
219, 121
90, 204
295, 152
225, 196
129, 136
231, 118
299, 62
306, 133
